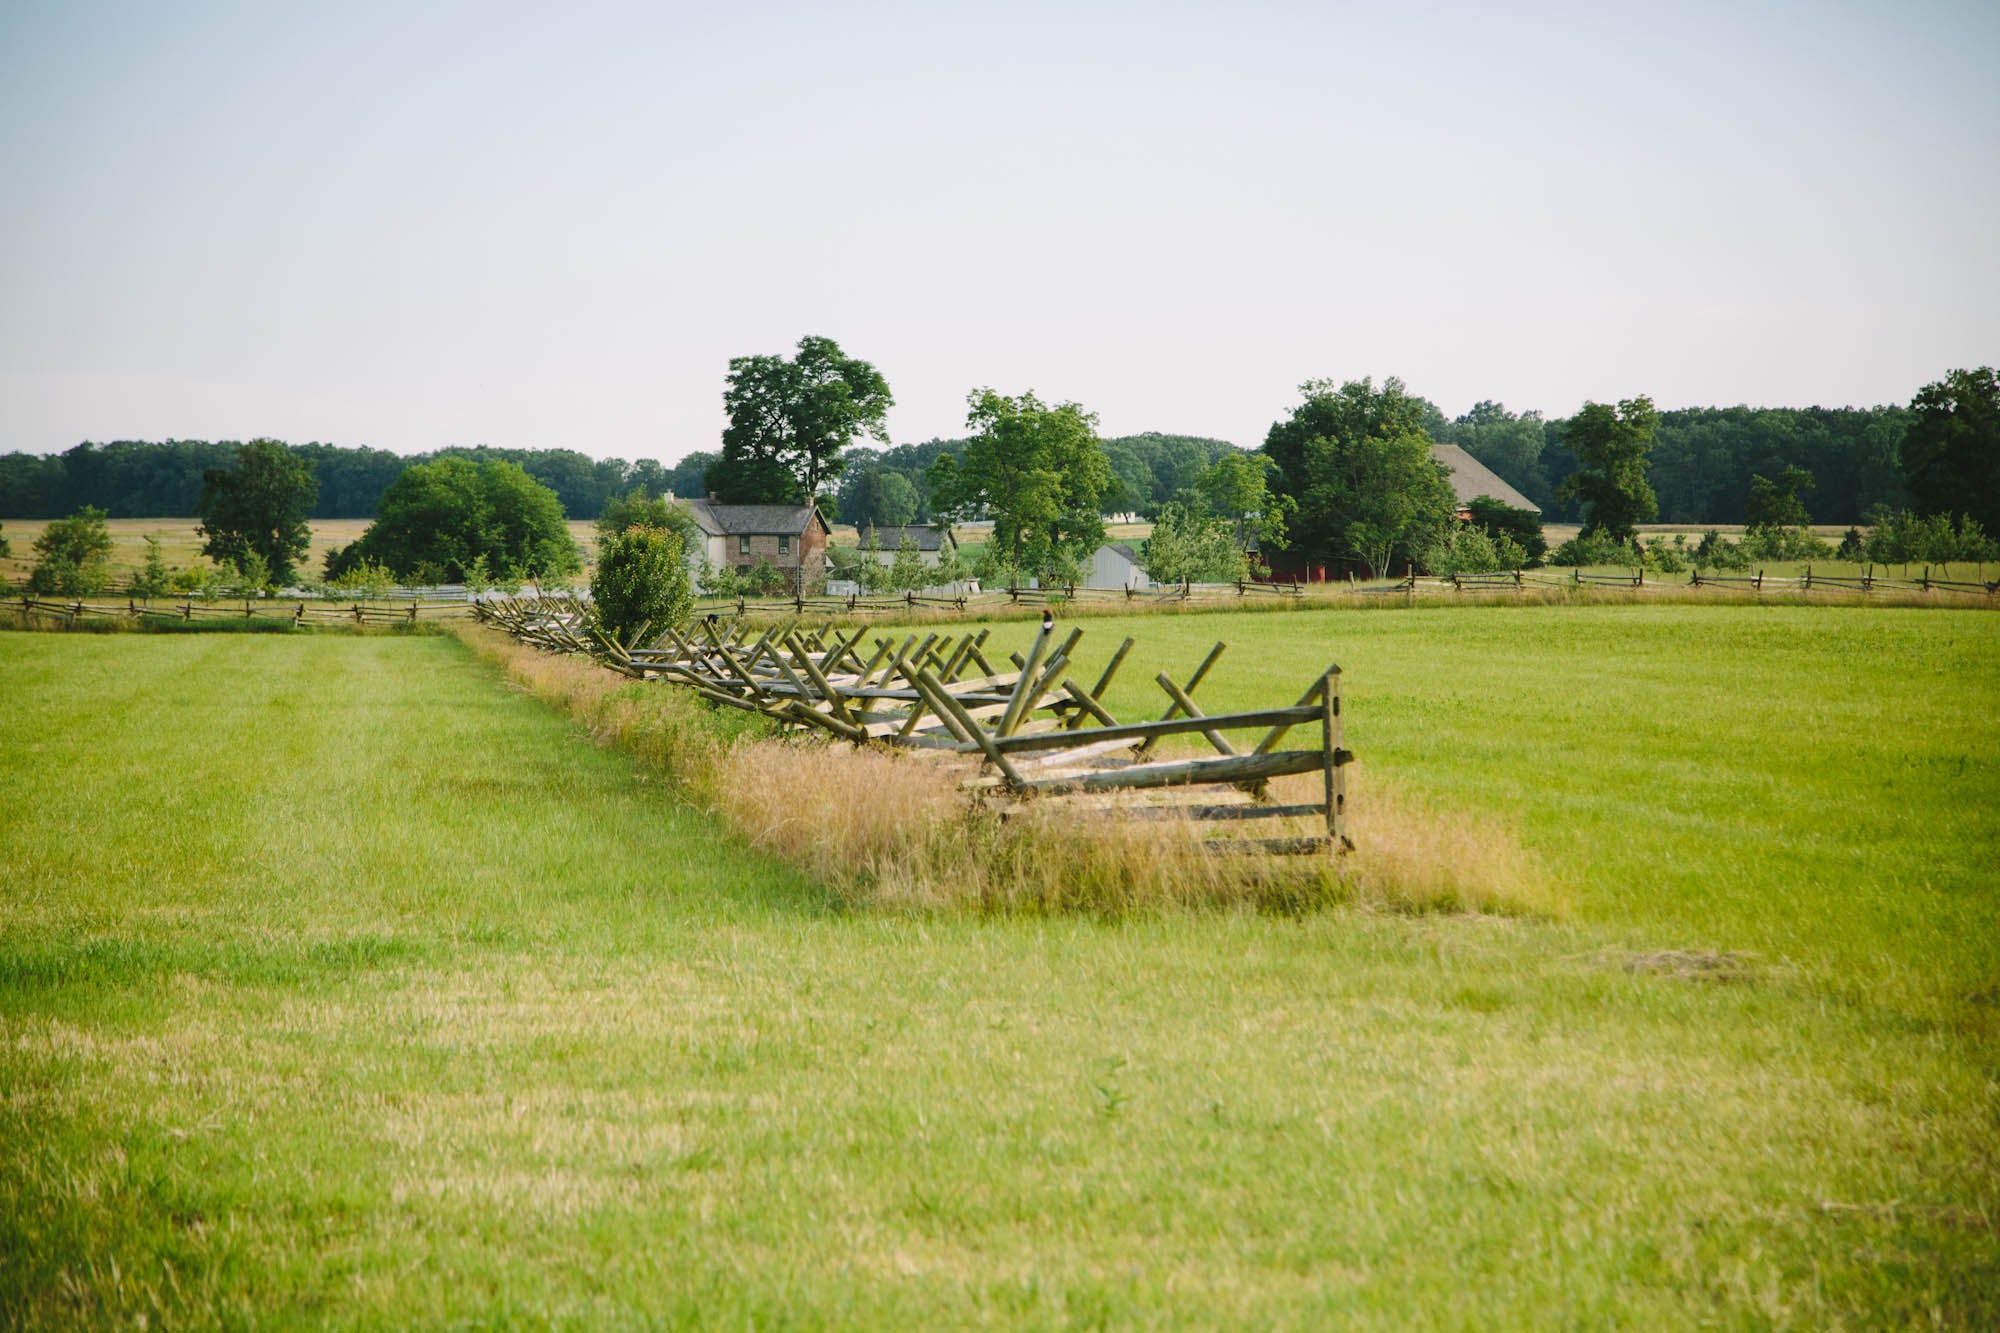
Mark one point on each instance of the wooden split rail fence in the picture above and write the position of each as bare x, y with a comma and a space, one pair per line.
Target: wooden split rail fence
299, 612
1038, 733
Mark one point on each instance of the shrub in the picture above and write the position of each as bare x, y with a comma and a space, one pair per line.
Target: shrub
365, 577
1595, 548
1784, 544
641, 580
1668, 558
1465, 549
154, 579
75, 556
1903, 538
766, 580
1522, 526
1714, 551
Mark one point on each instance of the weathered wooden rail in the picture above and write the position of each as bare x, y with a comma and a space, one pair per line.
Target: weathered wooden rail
1037, 733
298, 611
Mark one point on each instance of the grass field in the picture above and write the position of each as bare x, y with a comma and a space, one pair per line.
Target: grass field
339, 984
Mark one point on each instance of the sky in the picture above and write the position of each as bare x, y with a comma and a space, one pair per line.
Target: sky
410, 225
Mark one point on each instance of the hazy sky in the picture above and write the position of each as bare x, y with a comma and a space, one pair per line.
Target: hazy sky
416, 225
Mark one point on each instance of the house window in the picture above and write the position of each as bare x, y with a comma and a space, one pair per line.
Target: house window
742, 546
784, 546
744, 570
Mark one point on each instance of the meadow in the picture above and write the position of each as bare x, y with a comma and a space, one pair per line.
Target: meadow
340, 983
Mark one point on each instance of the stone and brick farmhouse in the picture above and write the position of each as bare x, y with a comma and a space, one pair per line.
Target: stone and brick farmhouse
791, 537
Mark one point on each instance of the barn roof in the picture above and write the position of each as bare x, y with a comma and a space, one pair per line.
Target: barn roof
1471, 479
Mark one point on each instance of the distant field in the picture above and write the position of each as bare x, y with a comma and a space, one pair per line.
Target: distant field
339, 984
180, 542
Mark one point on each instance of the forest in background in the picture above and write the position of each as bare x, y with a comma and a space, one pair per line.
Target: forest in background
1701, 466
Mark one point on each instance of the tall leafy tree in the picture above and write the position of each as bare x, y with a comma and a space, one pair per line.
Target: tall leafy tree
259, 507
452, 517
1951, 452
790, 420
1038, 471
1355, 461
1612, 444
1237, 487
1775, 503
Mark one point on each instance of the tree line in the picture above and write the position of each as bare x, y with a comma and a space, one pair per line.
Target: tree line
1345, 481
138, 479
1700, 468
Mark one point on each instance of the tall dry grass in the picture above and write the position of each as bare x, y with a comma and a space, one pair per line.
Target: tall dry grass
892, 829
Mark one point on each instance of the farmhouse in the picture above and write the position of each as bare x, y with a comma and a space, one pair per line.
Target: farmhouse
1471, 479
933, 542
791, 537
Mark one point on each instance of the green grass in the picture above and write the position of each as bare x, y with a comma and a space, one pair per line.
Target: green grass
340, 985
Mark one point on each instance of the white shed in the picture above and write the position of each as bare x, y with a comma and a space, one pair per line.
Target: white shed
1116, 565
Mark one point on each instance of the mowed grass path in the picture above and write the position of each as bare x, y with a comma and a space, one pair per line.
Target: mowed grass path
338, 984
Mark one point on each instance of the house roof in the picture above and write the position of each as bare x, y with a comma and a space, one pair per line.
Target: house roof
1471, 479
927, 536
720, 520
1130, 554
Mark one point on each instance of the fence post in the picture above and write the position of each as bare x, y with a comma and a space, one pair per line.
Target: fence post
1927, 578
1335, 773
1760, 580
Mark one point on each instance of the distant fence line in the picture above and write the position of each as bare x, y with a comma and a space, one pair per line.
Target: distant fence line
298, 611
1409, 587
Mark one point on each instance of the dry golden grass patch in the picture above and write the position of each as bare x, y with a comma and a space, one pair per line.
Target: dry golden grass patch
892, 828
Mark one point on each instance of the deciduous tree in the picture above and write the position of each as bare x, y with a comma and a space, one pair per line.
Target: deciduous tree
1356, 462
790, 420
451, 513
1612, 444
1038, 471
1951, 452
1776, 503
259, 506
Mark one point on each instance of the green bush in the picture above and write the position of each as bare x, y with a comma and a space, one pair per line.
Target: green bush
1771, 543
1903, 538
1595, 548
1714, 551
1667, 557
1466, 549
74, 556
641, 580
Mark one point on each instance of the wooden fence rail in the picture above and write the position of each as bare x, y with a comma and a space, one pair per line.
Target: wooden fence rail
299, 612
1036, 733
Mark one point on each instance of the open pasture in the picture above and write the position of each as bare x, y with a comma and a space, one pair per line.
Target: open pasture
340, 984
